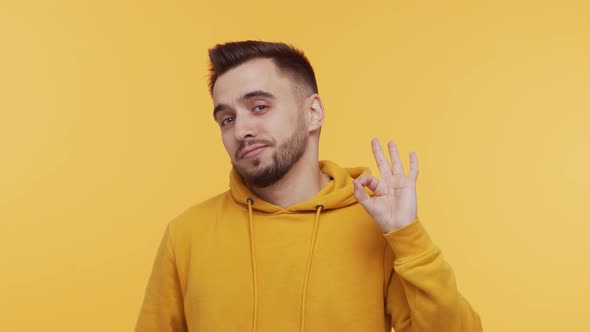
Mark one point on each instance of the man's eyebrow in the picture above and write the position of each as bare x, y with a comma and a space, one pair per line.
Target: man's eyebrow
257, 93
249, 95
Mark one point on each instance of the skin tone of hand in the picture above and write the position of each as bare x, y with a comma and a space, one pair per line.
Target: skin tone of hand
394, 204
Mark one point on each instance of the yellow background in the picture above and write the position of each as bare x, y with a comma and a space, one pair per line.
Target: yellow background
106, 134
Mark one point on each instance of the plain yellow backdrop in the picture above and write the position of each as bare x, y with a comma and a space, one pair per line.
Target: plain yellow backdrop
106, 134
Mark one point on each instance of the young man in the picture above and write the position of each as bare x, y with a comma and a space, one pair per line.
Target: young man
297, 243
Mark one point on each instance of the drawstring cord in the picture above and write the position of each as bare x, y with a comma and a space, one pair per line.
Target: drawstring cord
250, 201
318, 208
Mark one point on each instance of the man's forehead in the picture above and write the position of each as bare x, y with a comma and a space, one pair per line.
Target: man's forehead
253, 75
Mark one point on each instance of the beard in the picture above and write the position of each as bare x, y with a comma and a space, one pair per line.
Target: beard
283, 158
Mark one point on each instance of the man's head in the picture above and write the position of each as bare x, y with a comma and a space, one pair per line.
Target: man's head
266, 97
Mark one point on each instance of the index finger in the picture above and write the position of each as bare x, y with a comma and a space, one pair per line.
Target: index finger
382, 162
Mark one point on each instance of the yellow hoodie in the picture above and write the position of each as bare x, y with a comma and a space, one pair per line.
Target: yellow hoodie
238, 263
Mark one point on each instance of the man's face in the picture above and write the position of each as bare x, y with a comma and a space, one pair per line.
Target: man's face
262, 125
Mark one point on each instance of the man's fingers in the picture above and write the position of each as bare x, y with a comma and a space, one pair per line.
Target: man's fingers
369, 181
382, 162
413, 165
360, 194
398, 167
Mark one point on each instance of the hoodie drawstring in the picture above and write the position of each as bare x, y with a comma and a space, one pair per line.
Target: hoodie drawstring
250, 201
318, 208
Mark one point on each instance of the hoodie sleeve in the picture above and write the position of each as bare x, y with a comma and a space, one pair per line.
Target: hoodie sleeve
422, 294
163, 305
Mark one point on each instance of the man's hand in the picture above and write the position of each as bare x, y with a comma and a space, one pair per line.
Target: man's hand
394, 204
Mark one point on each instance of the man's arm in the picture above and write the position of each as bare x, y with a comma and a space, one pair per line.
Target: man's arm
422, 294
163, 305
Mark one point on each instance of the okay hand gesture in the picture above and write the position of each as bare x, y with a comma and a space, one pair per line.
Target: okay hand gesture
394, 204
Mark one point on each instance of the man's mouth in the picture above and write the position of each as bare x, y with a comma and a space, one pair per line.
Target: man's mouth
252, 151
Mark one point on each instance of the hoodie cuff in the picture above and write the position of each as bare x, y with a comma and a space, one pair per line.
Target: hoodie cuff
410, 240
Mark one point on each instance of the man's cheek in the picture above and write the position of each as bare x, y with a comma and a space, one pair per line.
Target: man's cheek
229, 149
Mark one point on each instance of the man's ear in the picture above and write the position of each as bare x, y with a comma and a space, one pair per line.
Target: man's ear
315, 110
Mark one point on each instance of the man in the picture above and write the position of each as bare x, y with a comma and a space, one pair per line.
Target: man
297, 244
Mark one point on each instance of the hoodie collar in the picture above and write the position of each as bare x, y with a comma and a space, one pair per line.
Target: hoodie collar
336, 194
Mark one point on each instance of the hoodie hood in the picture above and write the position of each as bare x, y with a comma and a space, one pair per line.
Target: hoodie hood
336, 194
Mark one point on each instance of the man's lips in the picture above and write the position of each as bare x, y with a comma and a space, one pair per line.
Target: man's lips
252, 150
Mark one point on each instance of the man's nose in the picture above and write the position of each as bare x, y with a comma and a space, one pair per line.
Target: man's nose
244, 127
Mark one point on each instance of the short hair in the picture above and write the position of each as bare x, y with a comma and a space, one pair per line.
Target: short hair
287, 58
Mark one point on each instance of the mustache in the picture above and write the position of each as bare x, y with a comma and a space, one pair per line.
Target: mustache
246, 144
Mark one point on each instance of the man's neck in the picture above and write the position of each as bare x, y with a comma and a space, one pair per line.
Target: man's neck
301, 183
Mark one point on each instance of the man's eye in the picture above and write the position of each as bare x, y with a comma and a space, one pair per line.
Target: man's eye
263, 107
226, 120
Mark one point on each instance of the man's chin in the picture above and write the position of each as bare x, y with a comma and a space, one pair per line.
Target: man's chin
255, 162
251, 167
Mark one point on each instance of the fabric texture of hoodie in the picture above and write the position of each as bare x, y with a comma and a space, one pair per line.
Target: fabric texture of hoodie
238, 263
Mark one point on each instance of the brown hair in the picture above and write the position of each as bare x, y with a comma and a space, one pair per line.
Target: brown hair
287, 58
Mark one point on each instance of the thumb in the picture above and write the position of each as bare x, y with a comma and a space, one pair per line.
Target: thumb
360, 194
